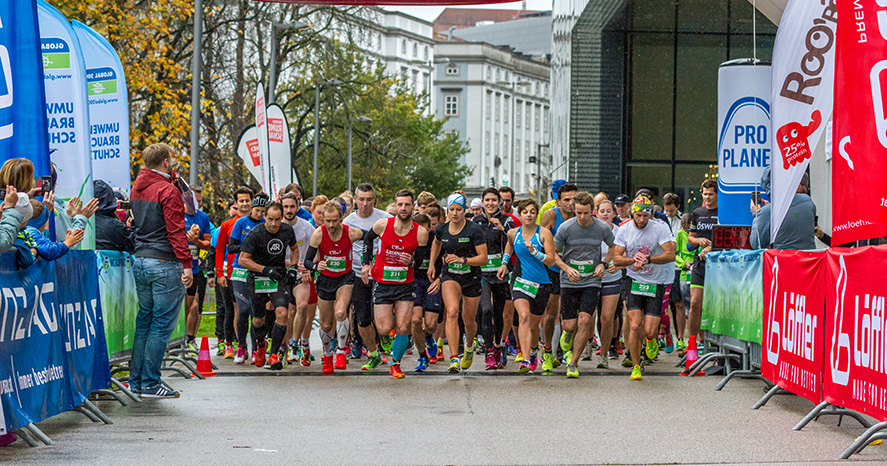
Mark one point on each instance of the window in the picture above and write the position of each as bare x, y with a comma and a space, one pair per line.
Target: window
536, 116
498, 105
489, 73
415, 81
505, 109
425, 81
379, 41
497, 75
517, 149
489, 104
497, 144
528, 149
453, 70
451, 105
415, 50
518, 114
403, 47
507, 75
545, 120
527, 119
487, 144
426, 52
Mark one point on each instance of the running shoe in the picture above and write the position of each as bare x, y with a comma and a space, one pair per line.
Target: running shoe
519, 357
229, 352
568, 357
326, 364
620, 345
603, 363
252, 359
241, 355
454, 366
547, 363
627, 361
652, 349
613, 354
373, 361
556, 362
283, 356
669, 344
260, 353
192, 345
395, 371
341, 361
636, 373
432, 359
221, 350
595, 343
586, 355
385, 341
159, 391
468, 357
356, 349
431, 348
681, 346
572, 371
533, 361
524, 367
491, 359
503, 357
306, 358
422, 364
274, 362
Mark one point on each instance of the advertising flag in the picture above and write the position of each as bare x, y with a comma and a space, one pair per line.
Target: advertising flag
22, 105
248, 151
279, 149
108, 108
801, 96
262, 133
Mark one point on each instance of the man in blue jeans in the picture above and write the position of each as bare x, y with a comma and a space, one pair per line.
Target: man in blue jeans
162, 268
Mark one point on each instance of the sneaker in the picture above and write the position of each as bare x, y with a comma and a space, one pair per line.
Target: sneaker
295, 354
252, 359
432, 359
192, 345
241, 355
620, 346
221, 349
566, 345
586, 355
306, 358
341, 361
356, 350
627, 362
572, 371
468, 357
491, 359
556, 362
603, 363
159, 391
681, 345
229, 352
395, 371
431, 348
533, 361
454, 366
274, 362
652, 349
421, 365
519, 357
326, 363
260, 353
524, 367
595, 343
568, 357
385, 342
547, 363
613, 354
7, 439
669, 344
636, 373
503, 357
284, 356
373, 361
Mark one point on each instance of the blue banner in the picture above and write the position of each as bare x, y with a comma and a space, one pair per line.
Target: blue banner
23, 130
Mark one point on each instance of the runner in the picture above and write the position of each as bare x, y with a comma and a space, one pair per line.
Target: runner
509, 320
702, 222
332, 244
301, 293
428, 305
224, 263
239, 277
611, 294
364, 218
495, 225
647, 249
392, 271
581, 239
530, 286
464, 252
197, 232
263, 255
435, 217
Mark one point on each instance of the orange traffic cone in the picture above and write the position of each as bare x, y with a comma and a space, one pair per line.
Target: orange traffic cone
204, 366
692, 357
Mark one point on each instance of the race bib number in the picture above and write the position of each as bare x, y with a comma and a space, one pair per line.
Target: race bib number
458, 268
585, 268
643, 289
494, 261
526, 287
394, 274
239, 275
335, 264
265, 285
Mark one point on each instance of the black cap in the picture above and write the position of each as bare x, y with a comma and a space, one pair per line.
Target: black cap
622, 199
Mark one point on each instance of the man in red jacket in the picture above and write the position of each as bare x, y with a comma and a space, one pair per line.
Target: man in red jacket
162, 268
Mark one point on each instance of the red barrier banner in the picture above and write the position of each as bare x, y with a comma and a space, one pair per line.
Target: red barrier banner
794, 321
855, 375
859, 167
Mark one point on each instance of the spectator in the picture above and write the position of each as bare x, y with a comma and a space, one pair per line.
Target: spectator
11, 219
18, 173
162, 268
623, 204
672, 204
798, 226
423, 200
477, 207
111, 234
25, 246
46, 249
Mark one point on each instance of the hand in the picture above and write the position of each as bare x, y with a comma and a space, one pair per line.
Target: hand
686, 266
706, 250
222, 281
496, 223
431, 272
529, 245
11, 197
302, 269
49, 201
502, 272
752, 207
72, 237
639, 257
573, 275
129, 222
452, 259
817, 232
365, 274
211, 282
191, 236
273, 273
406, 259
434, 287
599, 271
71, 209
321, 266
90, 208
187, 277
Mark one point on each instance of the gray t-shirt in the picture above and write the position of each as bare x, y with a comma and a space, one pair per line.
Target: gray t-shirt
355, 221
582, 250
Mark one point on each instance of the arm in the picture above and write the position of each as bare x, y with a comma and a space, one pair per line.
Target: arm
480, 259
548, 219
10, 222
248, 263
619, 257
506, 258
551, 257
46, 249
221, 246
174, 217
668, 253
367, 257
311, 254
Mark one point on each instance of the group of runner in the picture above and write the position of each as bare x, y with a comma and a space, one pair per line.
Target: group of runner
417, 277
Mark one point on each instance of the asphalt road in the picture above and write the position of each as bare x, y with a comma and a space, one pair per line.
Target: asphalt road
298, 416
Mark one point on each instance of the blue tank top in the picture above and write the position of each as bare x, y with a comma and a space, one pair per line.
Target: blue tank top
531, 269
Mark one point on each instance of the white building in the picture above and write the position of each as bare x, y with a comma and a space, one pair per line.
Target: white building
475, 89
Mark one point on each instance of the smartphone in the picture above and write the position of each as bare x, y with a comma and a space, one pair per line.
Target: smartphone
756, 197
45, 184
125, 205
816, 220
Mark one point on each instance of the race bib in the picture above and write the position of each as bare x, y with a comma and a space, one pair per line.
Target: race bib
194, 251
265, 285
425, 264
526, 287
394, 274
494, 261
239, 275
336, 264
643, 289
585, 268
458, 268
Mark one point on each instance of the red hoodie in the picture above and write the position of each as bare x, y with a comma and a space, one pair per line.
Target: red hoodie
159, 219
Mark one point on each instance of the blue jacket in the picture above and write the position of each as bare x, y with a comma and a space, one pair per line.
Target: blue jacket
46, 249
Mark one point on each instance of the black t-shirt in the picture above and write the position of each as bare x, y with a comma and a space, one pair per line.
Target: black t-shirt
495, 239
422, 256
269, 249
462, 244
702, 222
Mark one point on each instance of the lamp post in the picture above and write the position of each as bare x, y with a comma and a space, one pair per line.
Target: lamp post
195, 90
514, 126
539, 147
273, 74
350, 128
317, 86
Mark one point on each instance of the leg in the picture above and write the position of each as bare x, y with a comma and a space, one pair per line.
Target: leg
343, 300
402, 316
507, 319
486, 313
362, 297
278, 332
416, 329
635, 337
384, 318
608, 312
221, 310
452, 298
549, 319
144, 319
169, 292
327, 317
583, 331
469, 313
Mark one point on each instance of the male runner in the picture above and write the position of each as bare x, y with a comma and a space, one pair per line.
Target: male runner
329, 253
296, 191
300, 294
224, 263
239, 276
702, 222
428, 305
392, 271
263, 254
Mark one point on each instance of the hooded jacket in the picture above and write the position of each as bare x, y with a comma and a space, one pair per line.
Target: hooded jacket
110, 233
159, 219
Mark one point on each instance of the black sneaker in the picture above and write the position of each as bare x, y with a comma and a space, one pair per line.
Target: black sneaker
613, 354
159, 391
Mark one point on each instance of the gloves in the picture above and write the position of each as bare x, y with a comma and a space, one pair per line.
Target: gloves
273, 273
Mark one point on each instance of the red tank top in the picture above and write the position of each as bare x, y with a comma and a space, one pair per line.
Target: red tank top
337, 254
388, 268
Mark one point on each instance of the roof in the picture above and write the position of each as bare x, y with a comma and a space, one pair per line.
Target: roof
528, 36
470, 17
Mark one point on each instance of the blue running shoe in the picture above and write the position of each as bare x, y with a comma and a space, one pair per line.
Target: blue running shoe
431, 347
422, 365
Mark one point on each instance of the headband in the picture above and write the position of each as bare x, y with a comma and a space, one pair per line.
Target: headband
456, 198
259, 201
642, 204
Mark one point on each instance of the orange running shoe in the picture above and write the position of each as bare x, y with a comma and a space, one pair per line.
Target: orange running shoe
327, 364
260, 353
395, 371
341, 361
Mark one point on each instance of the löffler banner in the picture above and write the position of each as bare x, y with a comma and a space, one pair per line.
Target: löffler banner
859, 169
801, 95
794, 321
855, 375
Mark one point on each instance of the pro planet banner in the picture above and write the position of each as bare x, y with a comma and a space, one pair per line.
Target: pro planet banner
262, 133
802, 92
859, 169
794, 321
279, 149
248, 151
22, 105
67, 114
108, 108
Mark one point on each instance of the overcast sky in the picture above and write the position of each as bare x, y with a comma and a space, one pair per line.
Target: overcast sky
429, 13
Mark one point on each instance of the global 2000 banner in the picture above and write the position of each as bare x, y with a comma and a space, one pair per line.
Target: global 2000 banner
734, 306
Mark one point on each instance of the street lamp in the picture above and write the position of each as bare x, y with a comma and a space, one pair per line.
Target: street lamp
195, 90
350, 127
273, 78
514, 85
317, 85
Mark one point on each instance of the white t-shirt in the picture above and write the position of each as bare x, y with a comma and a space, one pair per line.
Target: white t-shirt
617, 275
303, 231
356, 221
647, 241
